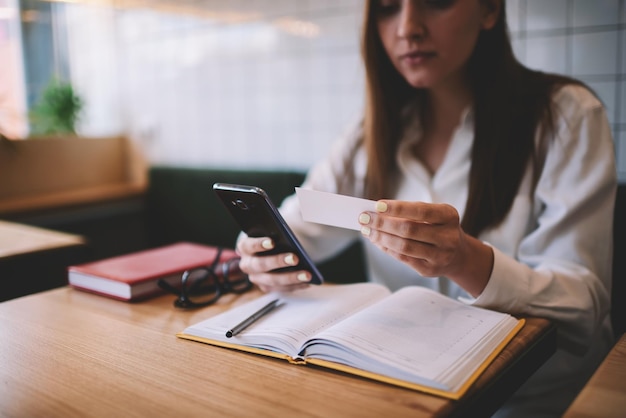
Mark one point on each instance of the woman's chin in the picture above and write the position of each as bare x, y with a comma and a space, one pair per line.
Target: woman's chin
419, 82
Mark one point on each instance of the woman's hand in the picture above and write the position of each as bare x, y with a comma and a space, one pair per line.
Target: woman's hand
259, 266
429, 238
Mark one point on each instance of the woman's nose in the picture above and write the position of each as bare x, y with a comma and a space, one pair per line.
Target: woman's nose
411, 20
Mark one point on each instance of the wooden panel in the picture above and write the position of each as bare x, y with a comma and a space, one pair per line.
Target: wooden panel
605, 393
42, 173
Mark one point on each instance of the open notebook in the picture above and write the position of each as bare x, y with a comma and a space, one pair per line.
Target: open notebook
414, 338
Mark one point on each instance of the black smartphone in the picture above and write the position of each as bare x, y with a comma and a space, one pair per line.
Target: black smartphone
257, 216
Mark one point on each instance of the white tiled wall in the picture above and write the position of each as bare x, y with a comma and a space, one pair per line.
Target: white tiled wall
595, 12
547, 54
198, 90
224, 82
582, 38
542, 14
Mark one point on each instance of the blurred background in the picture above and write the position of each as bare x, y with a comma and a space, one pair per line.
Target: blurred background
120, 114
253, 83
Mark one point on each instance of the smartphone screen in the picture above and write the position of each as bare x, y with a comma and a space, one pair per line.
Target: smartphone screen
257, 216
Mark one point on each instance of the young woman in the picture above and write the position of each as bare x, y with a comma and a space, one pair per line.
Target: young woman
495, 184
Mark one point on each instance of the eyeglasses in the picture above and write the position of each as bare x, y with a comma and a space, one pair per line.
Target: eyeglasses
205, 285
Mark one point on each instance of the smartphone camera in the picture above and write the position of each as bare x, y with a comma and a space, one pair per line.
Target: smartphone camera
240, 204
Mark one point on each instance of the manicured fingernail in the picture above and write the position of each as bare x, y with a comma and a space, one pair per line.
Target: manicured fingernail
267, 244
364, 218
303, 277
366, 231
290, 259
381, 207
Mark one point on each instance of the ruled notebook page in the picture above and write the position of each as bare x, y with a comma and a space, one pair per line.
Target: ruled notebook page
416, 335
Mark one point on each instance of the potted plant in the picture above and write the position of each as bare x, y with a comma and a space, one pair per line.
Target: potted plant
57, 110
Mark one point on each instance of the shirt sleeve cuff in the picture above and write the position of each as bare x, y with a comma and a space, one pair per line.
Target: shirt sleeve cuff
507, 286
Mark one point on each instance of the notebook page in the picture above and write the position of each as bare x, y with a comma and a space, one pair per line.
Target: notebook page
416, 335
302, 314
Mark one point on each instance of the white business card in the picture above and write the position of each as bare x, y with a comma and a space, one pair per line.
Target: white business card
333, 209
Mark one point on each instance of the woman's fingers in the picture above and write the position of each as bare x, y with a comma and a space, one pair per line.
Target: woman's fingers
425, 222
280, 281
423, 235
264, 263
250, 246
261, 268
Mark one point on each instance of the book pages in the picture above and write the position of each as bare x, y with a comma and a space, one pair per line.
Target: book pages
300, 316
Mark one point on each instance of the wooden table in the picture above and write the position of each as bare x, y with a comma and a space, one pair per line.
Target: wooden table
605, 393
18, 239
68, 353
33, 259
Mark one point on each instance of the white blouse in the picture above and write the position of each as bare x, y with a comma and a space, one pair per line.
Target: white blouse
552, 252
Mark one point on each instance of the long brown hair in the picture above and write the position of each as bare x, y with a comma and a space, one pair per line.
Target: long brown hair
511, 103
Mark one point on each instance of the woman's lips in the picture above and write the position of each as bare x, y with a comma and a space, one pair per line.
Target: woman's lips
417, 57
